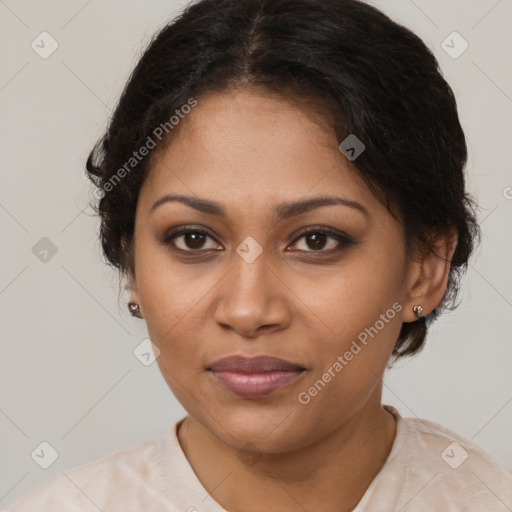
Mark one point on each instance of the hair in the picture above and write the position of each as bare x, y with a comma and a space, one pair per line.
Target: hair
366, 74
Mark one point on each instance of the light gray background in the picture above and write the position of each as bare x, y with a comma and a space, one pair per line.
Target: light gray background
68, 373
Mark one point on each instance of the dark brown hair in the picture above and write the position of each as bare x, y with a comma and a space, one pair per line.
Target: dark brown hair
369, 75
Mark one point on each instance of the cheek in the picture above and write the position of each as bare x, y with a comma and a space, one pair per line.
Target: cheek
347, 372
354, 297
177, 306
360, 312
169, 291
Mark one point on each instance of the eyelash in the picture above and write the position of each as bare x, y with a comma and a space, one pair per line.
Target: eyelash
343, 240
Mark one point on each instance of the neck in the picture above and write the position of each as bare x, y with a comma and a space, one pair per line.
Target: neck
331, 474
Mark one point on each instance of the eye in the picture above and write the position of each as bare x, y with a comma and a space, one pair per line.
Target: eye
189, 240
317, 239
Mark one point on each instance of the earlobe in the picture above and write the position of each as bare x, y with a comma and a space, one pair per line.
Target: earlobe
134, 309
134, 306
429, 278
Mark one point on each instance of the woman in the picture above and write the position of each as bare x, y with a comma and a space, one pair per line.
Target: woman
282, 187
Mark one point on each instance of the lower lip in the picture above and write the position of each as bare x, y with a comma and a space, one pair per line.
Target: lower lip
253, 385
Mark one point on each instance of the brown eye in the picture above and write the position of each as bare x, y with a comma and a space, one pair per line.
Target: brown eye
320, 240
189, 240
316, 241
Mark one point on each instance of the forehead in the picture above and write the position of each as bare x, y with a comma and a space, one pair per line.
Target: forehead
249, 150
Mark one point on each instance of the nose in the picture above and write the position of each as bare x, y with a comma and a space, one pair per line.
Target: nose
253, 299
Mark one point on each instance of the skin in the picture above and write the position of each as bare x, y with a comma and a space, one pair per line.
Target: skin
251, 151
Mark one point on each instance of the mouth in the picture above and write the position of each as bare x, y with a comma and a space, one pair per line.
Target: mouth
256, 376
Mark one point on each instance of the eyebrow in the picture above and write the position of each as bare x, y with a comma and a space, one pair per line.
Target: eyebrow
283, 211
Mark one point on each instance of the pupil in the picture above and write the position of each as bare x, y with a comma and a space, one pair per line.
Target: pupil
318, 240
195, 238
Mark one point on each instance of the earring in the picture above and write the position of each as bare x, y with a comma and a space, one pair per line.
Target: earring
418, 310
134, 309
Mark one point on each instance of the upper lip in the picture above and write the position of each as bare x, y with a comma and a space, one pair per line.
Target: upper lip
258, 364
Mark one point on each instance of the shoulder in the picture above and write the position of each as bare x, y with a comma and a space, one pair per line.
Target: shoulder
458, 454
442, 469
131, 476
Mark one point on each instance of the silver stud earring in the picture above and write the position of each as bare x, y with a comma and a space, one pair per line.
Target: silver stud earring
418, 310
134, 309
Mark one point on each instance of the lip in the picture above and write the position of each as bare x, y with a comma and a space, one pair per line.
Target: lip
253, 377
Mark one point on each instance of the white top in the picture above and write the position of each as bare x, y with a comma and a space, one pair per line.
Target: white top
429, 468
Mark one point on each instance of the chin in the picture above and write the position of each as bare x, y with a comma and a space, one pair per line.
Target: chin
255, 428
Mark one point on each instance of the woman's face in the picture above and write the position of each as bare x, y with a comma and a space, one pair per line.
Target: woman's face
255, 285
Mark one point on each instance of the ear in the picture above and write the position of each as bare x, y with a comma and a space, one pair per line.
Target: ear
131, 285
134, 291
428, 275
